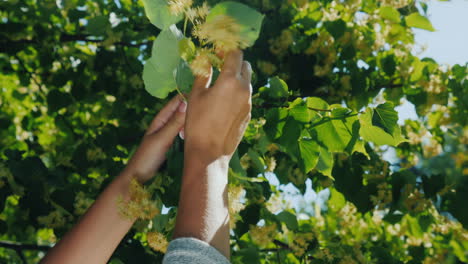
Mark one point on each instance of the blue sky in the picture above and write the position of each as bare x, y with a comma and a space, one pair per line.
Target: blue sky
449, 44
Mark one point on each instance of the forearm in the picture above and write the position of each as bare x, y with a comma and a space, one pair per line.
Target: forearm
99, 231
203, 207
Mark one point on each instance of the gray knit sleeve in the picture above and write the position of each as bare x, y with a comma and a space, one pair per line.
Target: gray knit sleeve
194, 251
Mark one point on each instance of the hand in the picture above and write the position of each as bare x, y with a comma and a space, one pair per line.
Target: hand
217, 116
157, 140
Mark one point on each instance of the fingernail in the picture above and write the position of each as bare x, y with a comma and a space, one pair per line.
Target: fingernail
182, 134
182, 107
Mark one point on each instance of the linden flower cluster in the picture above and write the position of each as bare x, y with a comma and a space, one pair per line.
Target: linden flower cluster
325, 254
201, 65
220, 34
280, 45
321, 46
139, 205
397, 3
300, 243
383, 197
415, 201
178, 7
263, 235
235, 206
82, 203
157, 241
331, 14
270, 164
198, 13
54, 219
95, 154
245, 161
276, 203
266, 67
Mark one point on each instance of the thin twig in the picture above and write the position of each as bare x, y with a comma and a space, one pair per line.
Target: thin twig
31, 76
278, 255
319, 110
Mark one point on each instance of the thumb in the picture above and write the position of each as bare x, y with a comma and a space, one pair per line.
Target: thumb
202, 82
175, 123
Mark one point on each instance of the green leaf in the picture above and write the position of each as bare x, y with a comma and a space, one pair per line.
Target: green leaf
389, 65
360, 147
393, 218
290, 137
248, 255
159, 70
57, 100
385, 117
418, 21
432, 184
377, 135
309, 154
390, 13
158, 83
235, 166
160, 222
278, 88
250, 20
276, 119
317, 103
299, 111
97, 26
413, 226
336, 28
257, 161
325, 162
159, 14
418, 68
336, 134
336, 201
116, 261
289, 219
184, 77
187, 49
166, 48
339, 112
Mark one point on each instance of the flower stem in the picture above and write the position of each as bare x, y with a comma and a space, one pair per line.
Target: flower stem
181, 94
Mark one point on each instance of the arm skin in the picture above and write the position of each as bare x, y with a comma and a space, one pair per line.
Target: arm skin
216, 120
98, 233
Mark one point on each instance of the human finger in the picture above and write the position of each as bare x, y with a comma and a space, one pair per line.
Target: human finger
232, 63
202, 82
164, 115
174, 124
246, 71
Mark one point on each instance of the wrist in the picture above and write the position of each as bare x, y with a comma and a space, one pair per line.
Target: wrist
196, 162
205, 157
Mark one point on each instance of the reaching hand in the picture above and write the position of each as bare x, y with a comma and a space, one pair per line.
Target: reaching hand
217, 116
157, 140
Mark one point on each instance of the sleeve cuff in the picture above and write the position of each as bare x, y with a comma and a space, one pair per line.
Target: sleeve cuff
192, 250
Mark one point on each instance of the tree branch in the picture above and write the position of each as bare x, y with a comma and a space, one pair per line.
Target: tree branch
18, 246
31, 74
67, 38
279, 246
